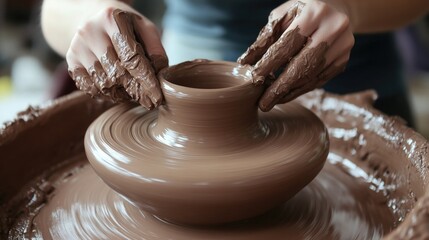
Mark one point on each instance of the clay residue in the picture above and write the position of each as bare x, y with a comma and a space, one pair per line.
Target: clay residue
416, 226
280, 53
63, 119
38, 139
273, 50
36, 115
299, 77
116, 77
124, 72
376, 164
84, 81
145, 87
158, 62
30, 205
269, 35
386, 149
98, 83
85, 202
10, 129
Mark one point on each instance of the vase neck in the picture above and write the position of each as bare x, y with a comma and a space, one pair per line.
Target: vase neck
205, 118
205, 126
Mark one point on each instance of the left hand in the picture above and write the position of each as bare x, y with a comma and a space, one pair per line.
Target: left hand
311, 39
116, 54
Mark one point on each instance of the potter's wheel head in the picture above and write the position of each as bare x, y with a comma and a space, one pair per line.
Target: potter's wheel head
374, 182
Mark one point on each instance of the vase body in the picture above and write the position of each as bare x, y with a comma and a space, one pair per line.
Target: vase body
207, 156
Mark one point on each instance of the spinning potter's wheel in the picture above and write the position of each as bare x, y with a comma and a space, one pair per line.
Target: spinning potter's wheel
207, 156
158, 189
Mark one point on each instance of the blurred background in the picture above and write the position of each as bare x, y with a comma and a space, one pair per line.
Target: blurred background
31, 73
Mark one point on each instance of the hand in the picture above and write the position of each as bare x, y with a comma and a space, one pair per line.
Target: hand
117, 54
311, 39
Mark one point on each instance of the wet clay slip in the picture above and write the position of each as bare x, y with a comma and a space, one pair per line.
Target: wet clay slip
373, 184
125, 71
279, 48
207, 157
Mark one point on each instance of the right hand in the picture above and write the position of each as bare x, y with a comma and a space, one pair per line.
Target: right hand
308, 40
117, 54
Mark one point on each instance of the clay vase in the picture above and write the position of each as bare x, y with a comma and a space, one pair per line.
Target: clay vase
207, 156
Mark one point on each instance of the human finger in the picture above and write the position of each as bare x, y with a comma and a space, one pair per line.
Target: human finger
326, 75
333, 69
269, 34
340, 49
133, 58
83, 81
300, 71
330, 42
119, 85
335, 30
105, 63
79, 58
116, 84
290, 43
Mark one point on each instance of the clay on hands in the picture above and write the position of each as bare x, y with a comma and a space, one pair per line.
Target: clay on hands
311, 40
127, 68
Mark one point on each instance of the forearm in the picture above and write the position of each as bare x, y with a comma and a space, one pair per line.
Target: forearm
62, 18
368, 16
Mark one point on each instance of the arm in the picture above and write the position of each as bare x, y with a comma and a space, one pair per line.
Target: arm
110, 48
384, 15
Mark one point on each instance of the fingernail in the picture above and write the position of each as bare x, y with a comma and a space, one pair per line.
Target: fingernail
268, 101
146, 102
156, 97
258, 80
242, 59
264, 107
158, 62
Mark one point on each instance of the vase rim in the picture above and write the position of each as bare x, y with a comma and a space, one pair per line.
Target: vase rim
241, 73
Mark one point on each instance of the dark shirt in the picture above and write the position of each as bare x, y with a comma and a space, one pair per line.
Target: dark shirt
374, 61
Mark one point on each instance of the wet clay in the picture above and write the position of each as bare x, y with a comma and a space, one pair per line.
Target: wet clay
199, 159
375, 171
280, 53
133, 58
374, 181
29, 147
125, 71
336, 205
363, 133
299, 77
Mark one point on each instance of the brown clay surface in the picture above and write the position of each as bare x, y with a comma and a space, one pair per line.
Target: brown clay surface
338, 204
375, 174
206, 157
